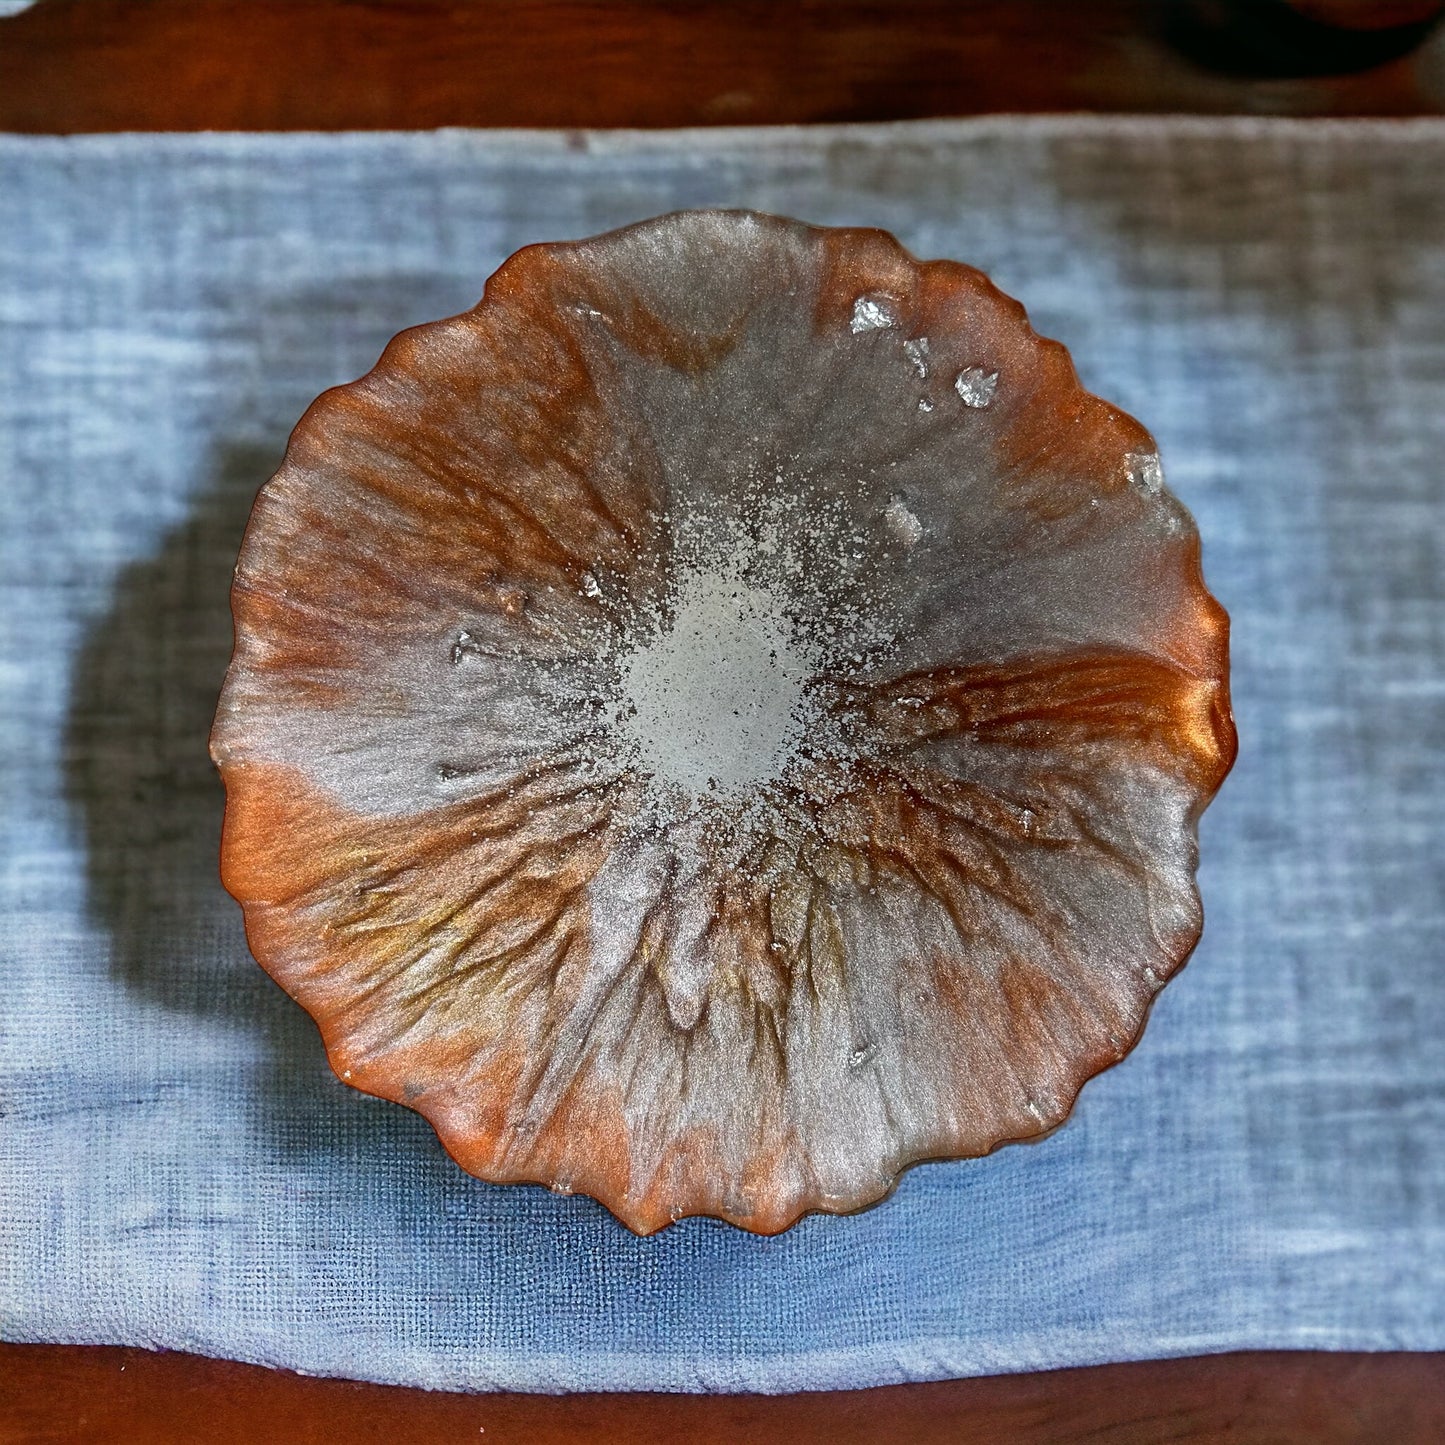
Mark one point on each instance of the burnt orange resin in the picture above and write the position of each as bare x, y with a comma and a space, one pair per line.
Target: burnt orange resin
941, 926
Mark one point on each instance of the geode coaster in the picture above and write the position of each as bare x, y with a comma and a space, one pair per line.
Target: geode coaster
722, 721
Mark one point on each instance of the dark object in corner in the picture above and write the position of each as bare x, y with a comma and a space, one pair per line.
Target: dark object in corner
1291, 38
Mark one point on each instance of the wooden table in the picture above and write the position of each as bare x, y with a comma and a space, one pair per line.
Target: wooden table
97, 65
53, 1394
87, 65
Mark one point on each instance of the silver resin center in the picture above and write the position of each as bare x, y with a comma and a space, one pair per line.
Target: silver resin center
713, 700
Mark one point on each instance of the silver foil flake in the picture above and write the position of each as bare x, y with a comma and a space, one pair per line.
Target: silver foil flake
871, 313
976, 386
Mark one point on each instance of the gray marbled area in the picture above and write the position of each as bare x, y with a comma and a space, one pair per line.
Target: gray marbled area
177, 1164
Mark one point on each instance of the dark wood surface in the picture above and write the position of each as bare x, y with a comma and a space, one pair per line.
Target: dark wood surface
96, 65
86, 65
104, 1394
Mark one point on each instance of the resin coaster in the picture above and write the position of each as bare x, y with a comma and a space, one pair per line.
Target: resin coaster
722, 721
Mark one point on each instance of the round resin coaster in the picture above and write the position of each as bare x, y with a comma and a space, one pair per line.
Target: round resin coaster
722, 721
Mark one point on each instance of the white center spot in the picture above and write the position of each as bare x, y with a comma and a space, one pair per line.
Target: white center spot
711, 702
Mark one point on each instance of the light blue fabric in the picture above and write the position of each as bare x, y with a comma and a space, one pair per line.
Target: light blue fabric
177, 1165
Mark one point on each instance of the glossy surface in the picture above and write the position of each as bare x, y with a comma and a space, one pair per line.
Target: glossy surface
945, 857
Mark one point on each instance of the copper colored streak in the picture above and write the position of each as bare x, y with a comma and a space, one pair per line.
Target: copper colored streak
968, 884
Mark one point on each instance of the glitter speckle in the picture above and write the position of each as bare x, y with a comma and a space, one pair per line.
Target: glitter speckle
917, 352
902, 523
976, 386
1145, 472
871, 313
465, 646
863, 1055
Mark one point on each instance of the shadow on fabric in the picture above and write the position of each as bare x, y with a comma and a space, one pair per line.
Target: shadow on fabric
144, 691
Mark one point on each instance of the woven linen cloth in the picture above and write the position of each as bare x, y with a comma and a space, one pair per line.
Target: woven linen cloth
178, 1166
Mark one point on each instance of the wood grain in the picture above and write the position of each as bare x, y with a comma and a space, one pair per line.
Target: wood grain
102, 1393
105, 65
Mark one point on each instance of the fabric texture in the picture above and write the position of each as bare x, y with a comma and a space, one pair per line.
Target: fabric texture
178, 1166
